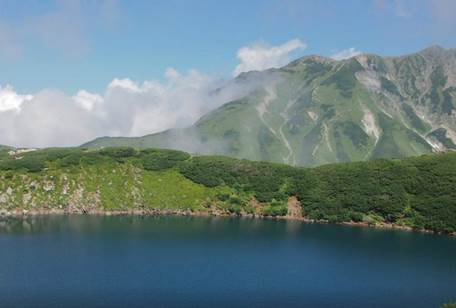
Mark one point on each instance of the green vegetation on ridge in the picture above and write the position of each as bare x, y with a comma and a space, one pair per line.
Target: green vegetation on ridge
417, 192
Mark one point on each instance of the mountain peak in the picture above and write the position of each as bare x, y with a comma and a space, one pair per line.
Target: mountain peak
434, 51
434, 48
306, 59
316, 58
317, 110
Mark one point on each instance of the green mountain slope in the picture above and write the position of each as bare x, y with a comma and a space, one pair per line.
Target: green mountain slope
415, 192
317, 110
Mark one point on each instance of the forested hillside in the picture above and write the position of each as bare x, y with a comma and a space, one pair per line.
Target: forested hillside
417, 192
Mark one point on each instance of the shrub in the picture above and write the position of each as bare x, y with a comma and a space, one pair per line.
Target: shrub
92, 158
71, 160
265, 180
118, 153
356, 217
235, 200
233, 209
53, 154
275, 208
223, 196
28, 163
161, 159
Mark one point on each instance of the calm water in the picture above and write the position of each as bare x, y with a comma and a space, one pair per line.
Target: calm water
176, 261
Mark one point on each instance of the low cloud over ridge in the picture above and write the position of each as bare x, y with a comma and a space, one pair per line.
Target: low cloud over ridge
127, 107
346, 54
260, 56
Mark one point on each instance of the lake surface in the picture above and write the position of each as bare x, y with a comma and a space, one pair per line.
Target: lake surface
74, 261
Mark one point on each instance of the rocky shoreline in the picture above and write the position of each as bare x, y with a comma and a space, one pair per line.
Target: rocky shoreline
24, 213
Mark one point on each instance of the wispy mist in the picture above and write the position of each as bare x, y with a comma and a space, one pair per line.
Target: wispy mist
126, 108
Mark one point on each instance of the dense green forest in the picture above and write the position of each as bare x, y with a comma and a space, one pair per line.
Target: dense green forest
418, 192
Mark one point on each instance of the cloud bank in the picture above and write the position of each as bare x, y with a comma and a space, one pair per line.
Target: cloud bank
260, 56
127, 107
10, 100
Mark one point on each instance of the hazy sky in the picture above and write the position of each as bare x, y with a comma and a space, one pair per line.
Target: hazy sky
157, 52
85, 44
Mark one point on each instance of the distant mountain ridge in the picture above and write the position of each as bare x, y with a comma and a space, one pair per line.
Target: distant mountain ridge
317, 110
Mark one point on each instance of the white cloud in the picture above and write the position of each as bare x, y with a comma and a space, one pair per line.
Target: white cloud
50, 118
346, 54
172, 73
10, 100
127, 108
260, 56
125, 84
87, 100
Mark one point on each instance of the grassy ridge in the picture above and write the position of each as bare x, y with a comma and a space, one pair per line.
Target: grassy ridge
416, 192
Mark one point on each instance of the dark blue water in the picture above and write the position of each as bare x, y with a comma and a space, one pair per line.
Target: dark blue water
176, 261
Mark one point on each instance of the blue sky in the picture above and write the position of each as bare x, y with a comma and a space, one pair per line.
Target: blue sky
72, 45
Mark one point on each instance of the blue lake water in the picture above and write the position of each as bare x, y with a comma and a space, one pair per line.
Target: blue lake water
77, 261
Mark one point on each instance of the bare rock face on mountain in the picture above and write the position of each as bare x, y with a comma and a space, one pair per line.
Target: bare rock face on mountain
317, 110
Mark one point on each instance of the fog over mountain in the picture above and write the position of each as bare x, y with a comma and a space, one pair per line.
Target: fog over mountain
319, 110
129, 108
314, 110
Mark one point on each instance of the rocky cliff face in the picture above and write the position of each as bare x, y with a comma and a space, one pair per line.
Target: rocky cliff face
317, 110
